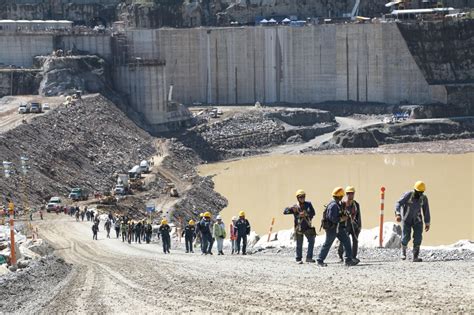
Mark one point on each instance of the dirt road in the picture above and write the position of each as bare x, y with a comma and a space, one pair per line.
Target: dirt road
110, 276
9, 117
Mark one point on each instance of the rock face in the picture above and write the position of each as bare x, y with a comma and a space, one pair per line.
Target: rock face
301, 117
412, 131
63, 74
442, 50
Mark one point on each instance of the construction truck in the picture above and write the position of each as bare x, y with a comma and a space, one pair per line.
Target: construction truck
78, 194
122, 186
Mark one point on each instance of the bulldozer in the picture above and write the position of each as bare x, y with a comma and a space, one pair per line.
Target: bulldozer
107, 199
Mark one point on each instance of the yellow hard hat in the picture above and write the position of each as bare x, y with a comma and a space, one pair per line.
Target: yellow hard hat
350, 189
338, 192
191, 222
201, 215
300, 192
164, 221
242, 214
207, 214
420, 186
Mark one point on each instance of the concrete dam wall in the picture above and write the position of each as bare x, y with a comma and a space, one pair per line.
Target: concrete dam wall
339, 62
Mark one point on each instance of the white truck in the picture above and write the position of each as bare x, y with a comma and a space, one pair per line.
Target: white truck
122, 186
144, 166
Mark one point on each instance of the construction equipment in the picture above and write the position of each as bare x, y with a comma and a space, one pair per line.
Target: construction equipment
78, 193
174, 192
107, 199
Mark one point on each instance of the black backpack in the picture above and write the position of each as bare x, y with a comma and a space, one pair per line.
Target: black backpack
326, 224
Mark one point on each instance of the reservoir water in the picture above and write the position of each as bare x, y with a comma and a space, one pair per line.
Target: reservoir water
264, 186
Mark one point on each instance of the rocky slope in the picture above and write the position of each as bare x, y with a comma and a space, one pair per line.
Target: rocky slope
82, 145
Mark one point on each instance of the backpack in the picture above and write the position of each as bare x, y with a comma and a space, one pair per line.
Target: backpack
326, 224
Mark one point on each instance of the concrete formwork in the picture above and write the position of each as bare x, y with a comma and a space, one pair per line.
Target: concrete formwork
366, 63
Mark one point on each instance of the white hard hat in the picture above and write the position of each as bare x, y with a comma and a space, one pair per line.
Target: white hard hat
218, 217
234, 218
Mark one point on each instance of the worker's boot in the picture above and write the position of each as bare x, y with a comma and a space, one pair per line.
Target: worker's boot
404, 252
416, 253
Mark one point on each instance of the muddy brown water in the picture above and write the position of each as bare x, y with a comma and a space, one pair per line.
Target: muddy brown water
263, 186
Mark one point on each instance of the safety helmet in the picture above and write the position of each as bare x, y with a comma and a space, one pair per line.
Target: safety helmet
191, 222
164, 221
300, 192
420, 186
234, 218
242, 214
338, 192
201, 215
218, 217
350, 189
207, 214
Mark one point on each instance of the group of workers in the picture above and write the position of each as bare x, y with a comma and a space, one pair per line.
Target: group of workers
342, 220
207, 232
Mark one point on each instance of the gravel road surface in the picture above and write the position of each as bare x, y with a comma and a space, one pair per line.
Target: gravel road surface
109, 276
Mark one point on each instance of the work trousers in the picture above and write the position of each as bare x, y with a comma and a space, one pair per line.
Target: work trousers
417, 233
166, 240
331, 234
299, 246
355, 243
220, 244
206, 243
242, 239
188, 240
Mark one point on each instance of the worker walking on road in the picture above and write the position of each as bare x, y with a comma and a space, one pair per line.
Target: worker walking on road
233, 234
130, 229
242, 228
95, 230
412, 210
219, 234
123, 230
206, 234
189, 234
303, 213
334, 222
117, 228
165, 231
138, 232
354, 224
108, 226
148, 232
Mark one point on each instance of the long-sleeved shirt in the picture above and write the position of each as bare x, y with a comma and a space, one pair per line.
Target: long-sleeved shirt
333, 213
164, 230
205, 227
242, 227
219, 230
303, 216
413, 210
354, 209
189, 231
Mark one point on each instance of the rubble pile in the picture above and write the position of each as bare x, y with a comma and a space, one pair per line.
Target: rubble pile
412, 131
244, 130
77, 146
